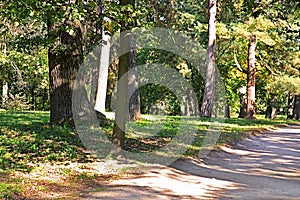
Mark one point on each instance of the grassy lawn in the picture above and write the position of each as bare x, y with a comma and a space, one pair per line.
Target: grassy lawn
29, 145
35, 155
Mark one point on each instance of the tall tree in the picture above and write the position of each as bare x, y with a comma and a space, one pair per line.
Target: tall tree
65, 58
251, 78
118, 136
208, 98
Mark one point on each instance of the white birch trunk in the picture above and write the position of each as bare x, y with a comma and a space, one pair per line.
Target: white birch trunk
103, 72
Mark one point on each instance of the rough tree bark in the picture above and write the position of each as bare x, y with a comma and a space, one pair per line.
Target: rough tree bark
4, 75
208, 98
65, 58
296, 112
251, 78
134, 100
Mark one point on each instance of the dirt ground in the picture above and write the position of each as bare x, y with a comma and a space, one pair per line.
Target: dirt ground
260, 167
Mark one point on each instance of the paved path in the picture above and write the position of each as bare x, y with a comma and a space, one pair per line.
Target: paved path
260, 167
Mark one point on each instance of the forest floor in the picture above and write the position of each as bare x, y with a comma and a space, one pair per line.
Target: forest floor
266, 166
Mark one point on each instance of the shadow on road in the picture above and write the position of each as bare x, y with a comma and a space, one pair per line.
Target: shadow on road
261, 167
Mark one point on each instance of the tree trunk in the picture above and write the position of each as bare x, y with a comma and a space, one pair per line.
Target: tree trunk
290, 107
134, 99
208, 98
64, 62
297, 107
271, 112
103, 71
32, 97
44, 98
274, 113
118, 136
227, 111
271, 109
122, 94
4, 75
251, 79
243, 108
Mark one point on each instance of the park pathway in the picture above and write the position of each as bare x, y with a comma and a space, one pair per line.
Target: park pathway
258, 168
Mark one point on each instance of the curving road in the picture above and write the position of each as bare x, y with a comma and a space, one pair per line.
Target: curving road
264, 167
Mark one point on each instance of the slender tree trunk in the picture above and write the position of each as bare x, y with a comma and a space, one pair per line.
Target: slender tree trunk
271, 111
63, 67
227, 111
208, 99
44, 98
4, 76
103, 72
297, 107
251, 78
118, 136
122, 94
290, 107
32, 98
243, 108
134, 101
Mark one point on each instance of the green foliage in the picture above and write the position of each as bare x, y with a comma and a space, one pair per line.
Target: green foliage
277, 48
284, 85
275, 23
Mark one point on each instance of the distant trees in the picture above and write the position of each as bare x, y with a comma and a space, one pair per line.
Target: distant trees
23, 60
75, 28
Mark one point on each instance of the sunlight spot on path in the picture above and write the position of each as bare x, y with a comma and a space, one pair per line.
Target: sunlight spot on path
178, 183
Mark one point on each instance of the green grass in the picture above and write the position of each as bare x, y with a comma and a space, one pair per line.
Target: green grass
26, 139
145, 135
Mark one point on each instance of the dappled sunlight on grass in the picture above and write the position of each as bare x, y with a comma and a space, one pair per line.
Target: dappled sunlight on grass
155, 132
26, 137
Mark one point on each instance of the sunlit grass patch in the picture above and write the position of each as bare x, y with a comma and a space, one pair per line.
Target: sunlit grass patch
146, 135
26, 137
